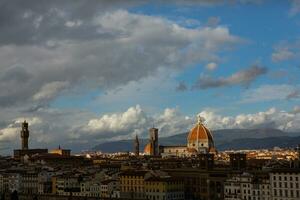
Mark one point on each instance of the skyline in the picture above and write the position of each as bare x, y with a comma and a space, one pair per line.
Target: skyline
83, 73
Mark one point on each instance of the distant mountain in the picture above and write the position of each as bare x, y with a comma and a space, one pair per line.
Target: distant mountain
224, 139
261, 143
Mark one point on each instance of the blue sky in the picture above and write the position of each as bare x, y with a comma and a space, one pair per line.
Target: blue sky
83, 73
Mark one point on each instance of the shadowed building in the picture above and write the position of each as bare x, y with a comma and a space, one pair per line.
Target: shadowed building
238, 161
25, 151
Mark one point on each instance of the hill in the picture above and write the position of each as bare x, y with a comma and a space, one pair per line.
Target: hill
224, 139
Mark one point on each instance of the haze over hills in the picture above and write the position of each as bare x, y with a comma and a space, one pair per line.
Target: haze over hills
224, 139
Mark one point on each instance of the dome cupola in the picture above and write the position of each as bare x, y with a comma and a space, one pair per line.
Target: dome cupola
200, 138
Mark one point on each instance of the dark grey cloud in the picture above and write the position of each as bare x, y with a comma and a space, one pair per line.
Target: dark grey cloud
37, 21
139, 47
243, 77
181, 87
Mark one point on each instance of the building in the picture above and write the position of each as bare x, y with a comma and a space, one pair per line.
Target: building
110, 188
60, 151
44, 182
25, 152
66, 184
29, 182
152, 147
199, 140
285, 184
164, 188
201, 184
13, 182
248, 186
238, 161
132, 184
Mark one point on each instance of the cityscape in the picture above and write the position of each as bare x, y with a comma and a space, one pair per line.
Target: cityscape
150, 100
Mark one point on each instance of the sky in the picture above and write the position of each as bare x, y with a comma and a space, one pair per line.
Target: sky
86, 72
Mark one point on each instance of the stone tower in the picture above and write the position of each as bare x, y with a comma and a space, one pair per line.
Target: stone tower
24, 135
153, 132
136, 146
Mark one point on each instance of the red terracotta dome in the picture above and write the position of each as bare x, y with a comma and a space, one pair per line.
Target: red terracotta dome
199, 132
200, 138
147, 149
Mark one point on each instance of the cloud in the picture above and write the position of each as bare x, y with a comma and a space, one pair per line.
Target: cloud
119, 47
282, 54
50, 90
286, 50
79, 130
213, 21
272, 118
129, 122
243, 77
82, 130
211, 66
135, 121
296, 110
213, 2
181, 87
11, 132
295, 7
294, 94
270, 93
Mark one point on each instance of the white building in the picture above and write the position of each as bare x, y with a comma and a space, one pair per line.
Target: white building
248, 187
285, 184
14, 181
44, 182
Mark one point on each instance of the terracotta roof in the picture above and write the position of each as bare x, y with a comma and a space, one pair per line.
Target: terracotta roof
199, 132
147, 149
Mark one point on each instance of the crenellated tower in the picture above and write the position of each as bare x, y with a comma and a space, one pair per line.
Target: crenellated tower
24, 135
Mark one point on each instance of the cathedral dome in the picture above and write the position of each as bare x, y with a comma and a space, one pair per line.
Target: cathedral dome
199, 132
200, 138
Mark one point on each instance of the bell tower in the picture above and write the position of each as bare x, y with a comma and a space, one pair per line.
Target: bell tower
136, 146
153, 133
24, 135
